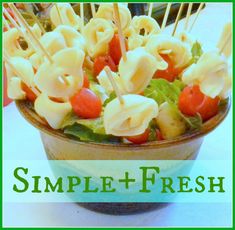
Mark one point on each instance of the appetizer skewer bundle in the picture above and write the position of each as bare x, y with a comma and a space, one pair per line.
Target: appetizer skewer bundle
116, 75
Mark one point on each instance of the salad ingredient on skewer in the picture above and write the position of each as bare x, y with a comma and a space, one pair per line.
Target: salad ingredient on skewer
103, 80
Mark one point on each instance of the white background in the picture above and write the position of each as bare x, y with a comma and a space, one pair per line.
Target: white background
22, 142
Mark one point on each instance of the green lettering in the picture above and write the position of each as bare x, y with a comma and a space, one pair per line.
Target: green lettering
51, 188
87, 185
200, 184
21, 179
36, 184
167, 183
212, 184
184, 184
106, 184
73, 182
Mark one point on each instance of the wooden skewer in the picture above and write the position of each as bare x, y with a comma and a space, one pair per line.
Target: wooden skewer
93, 10
58, 12
118, 24
150, 9
6, 24
226, 42
166, 16
34, 17
178, 18
114, 85
82, 15
38, 43
24, 23
197, 14
7, 60
190, 6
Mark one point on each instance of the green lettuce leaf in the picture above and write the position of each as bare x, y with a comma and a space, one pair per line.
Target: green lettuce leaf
96, 125
111, 97
162, 91
85, 134
196, 51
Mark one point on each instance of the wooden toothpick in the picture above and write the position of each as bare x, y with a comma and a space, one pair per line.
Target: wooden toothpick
114, 85
166, 16
178, 18
188, 15
226, 42
31, 13
197, 14
6, 24
93, 10
82, 15
120, 34
150, 9
58, 12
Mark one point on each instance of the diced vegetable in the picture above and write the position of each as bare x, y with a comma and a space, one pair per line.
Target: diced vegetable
170, 123
29, 93
86, 104
86, 82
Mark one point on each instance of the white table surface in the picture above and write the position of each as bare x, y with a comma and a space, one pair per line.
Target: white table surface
22, 142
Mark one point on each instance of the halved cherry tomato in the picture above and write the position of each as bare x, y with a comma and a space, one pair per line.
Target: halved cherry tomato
170, 73
101, 61
86, 104
159, 135
86, 82
115, 49
193, 101
141, 138
29, 93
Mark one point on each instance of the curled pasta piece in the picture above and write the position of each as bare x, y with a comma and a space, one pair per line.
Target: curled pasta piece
71, 36
25, 69
130, 118
179, 52
98, 32
210, 73
137, 71
223, 37
106, 11
11, 45
52, 42
105, 82
66, 16
66, 63
53, 112
134, 40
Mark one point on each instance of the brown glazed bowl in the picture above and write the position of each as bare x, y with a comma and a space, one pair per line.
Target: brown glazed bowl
58, 146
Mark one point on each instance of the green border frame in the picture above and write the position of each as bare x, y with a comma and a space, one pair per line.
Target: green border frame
233, 108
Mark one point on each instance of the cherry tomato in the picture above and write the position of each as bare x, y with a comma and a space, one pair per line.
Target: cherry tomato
101, 61
6, 99
29, 93
159, 135
115, 49
86, 104
170, 73
86, 83
141, 138
193, 101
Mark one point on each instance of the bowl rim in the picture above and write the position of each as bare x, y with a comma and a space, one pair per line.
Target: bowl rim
25, 108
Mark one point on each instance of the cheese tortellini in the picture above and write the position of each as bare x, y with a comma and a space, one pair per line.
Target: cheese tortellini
24, 68
65, 16
140, 30
71, 36
67, 63
98, 32
210, 73
137, 71
178, 51
130, 118
53, 112
106, 11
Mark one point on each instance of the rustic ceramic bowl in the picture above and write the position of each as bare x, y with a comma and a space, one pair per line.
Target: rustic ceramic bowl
58, 146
